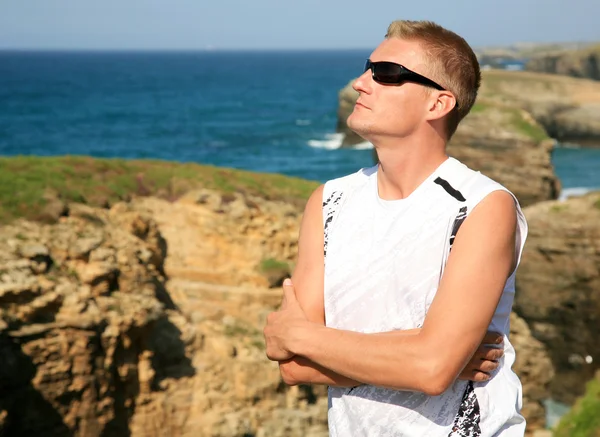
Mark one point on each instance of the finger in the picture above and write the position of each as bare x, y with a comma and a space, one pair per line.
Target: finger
480, 377
492, 338
488, 352
487, 366
287, 284
480, 353
474, 375
491, 353
289, 295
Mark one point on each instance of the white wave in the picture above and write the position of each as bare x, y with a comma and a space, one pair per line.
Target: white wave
362, 146
331, 142
334, 141
301, 122
575, 192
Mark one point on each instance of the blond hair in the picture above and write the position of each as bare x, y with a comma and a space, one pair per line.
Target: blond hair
452, 63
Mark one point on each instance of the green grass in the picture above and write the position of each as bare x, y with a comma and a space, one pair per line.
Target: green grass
597, 204
25, 179
584, 419
515, 118
533, 131
270, 264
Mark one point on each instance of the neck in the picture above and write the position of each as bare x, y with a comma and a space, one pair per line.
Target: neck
405, 163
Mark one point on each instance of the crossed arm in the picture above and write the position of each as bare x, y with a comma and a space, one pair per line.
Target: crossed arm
426, 360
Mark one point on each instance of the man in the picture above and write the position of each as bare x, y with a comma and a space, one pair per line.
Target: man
419, 261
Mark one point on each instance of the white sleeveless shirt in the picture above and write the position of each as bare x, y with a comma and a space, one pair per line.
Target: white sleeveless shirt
383, 264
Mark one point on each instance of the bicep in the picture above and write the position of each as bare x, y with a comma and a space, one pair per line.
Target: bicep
308, 276
482, 259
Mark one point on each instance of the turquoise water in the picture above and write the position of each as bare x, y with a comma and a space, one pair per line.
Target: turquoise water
261, 111
577, 168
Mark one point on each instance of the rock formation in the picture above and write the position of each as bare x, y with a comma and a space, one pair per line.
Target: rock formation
567, 108
95, 340
83, 309
534, 368
584, 63
559, 288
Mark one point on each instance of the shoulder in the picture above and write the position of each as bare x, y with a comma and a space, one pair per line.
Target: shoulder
347, 183
492, 225
471, 186
497, 203
315, 201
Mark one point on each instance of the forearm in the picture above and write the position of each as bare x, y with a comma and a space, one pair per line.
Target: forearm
301, 370
373, 358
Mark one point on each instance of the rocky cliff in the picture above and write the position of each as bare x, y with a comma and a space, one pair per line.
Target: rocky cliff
88, 329
145, 319
583, 62
559, 288
567, 108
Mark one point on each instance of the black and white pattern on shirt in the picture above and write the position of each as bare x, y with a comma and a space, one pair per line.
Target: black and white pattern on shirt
330, 207
466, 423
460, 218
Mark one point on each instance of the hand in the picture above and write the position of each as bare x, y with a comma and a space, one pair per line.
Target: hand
485, 359
284, 326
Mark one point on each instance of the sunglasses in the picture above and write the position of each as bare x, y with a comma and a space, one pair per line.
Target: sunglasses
391, 73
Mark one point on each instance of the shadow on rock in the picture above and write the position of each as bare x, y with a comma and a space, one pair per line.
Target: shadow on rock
169, 358
26, 411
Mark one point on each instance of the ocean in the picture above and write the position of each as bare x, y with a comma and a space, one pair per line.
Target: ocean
260, 111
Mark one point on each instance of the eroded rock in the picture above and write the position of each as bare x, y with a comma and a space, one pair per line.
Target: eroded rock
559, 288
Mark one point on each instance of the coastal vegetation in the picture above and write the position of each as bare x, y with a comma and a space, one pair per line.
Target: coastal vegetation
271, 264
275, 271
584, 418
29, 183
509, 117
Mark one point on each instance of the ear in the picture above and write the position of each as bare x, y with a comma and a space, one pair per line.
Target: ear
441, 103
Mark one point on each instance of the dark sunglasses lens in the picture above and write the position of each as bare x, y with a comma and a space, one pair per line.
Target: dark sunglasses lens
386, 72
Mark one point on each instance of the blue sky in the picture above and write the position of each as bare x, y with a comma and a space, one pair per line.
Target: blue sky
282, 24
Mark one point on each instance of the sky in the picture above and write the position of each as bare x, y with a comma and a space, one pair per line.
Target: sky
282, 24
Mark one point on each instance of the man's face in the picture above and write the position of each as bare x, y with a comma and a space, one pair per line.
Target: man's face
391, 110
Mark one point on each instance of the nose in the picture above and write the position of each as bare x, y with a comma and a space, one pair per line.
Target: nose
363, 82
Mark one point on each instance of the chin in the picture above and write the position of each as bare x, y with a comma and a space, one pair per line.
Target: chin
354, 121
360, 127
